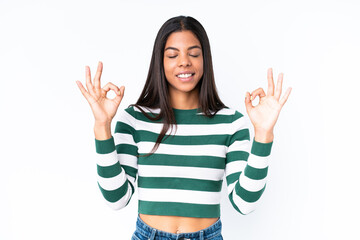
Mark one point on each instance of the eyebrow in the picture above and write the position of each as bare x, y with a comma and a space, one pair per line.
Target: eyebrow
192, 47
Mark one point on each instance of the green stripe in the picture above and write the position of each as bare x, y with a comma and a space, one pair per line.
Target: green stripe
179, 209
233, 203
255, 173
261, 149
185, 119
130, 196
237, 115
240, 135
127, 149
130, 170
180, 183
109, 171
236, 155
218, 139
183, 160
114, 195
105, 146
232, 178
122, 127
246, 195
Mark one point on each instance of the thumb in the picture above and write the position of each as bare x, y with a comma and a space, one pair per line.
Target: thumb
248, 103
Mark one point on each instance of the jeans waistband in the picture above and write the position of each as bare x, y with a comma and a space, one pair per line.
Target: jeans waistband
149, 232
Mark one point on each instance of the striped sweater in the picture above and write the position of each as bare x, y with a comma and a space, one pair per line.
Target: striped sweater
184, 176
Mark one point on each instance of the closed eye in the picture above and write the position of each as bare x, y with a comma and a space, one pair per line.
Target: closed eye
190, 55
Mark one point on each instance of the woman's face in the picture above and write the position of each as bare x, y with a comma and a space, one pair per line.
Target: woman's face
183, 61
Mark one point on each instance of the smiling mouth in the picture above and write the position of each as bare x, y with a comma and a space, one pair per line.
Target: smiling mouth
186, 75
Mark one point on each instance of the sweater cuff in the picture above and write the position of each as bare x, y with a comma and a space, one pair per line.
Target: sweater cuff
261, 149
105, 146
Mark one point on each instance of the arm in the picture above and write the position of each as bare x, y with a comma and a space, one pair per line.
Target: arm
117, 163
246, 166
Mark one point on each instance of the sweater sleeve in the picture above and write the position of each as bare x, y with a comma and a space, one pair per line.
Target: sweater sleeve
117, 163
246, 166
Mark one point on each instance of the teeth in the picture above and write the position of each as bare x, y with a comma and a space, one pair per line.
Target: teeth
184, 75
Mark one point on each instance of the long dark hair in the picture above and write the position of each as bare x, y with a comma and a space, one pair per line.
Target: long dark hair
156, 93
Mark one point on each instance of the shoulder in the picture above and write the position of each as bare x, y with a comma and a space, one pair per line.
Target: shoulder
133, 114
127, 115
230, 112
237, 119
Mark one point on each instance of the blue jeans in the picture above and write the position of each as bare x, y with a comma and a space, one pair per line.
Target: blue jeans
145, 232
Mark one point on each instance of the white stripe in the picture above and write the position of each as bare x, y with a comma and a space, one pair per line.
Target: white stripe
178, 195
231, 186
251, 184
258, 162
239, 145
108, 159
128, 160
239, 124
147, 109
245, 207
121, 138
235, 166
181, 172
112, 183
186, 129
131, 180
125, 117
223, 111
195, 150
121, 202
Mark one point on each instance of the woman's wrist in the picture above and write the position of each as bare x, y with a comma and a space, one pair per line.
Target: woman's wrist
264, 136
102, 131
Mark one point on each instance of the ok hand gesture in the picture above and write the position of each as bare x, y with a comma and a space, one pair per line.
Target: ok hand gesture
103, 108
264, 115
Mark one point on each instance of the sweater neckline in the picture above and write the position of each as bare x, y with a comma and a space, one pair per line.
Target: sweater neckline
186, 111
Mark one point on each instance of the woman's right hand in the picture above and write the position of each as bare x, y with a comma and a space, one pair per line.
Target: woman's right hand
103, 108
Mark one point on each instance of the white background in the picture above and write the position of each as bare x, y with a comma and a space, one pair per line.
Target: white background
48, 171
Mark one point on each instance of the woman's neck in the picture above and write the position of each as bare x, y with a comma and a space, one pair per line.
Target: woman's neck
184, 100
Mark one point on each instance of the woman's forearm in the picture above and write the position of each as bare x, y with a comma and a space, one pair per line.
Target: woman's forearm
102, 131
264, 136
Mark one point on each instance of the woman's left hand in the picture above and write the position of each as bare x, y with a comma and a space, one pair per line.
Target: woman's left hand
264, 115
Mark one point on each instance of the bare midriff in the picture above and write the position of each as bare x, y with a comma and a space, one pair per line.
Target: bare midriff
177, 224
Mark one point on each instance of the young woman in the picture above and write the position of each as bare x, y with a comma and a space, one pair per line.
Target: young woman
179, 176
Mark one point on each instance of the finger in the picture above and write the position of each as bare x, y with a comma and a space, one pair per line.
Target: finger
83, 91
270, 91
279, 86
122, 90
89, 85
248, 103
285, 97
110, 86
258, 92
98, 75
120, 94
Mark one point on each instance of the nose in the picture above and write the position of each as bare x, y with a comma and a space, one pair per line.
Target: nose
184, 60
